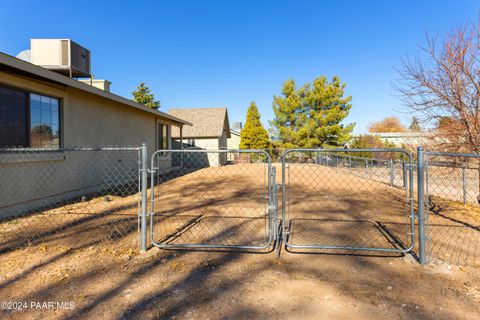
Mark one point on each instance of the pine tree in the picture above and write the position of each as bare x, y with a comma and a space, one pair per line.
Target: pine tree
143, 95
253, 134
311, 116
415, 125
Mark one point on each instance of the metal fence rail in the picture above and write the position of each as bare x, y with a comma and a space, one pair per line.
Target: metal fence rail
388, 170
332, 208
69, 197
212, 199
452, 207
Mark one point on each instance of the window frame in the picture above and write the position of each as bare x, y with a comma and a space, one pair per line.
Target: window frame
160, 136
28, 115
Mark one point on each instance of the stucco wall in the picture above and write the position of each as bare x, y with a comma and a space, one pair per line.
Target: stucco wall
233, 142
86, 120
206, 143
91, 120
214, 159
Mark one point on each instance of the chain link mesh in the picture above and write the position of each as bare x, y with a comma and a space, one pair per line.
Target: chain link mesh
339, 199
78, 197
69, 197
211, 199
453, 213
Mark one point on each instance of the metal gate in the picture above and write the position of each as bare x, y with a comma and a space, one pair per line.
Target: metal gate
212, 199
355, 199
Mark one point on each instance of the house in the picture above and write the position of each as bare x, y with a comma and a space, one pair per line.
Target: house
400, 139
210, 130
41, 108
234, 141
77, 114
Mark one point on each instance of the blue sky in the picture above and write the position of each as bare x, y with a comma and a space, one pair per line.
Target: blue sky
228, 53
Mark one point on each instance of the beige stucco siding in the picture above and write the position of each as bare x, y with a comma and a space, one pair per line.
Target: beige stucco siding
90, 120
87, 120
233, 142
206, 143
214, 159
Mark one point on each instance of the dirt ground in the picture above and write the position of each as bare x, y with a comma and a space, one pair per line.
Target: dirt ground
99, 277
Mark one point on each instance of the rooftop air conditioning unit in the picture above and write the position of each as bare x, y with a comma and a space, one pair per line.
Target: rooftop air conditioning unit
61, 55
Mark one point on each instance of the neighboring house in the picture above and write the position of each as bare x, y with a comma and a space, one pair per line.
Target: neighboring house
234, 141
40, 108
412, 139
210, 130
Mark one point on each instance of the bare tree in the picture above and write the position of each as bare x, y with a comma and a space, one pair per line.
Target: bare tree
443, 88
388, 124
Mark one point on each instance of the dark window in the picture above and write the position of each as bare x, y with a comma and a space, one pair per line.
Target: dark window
28, 119
13, 118
163, 137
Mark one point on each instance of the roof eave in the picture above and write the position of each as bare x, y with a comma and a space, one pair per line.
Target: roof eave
48, 75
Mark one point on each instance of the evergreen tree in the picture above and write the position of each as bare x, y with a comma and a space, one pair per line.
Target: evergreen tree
311, 116
143, 95
253, 134
415, 125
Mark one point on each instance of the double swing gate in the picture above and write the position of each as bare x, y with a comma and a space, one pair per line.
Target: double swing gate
323, 199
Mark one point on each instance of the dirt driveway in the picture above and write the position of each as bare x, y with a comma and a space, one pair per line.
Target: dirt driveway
106, 284
93, 277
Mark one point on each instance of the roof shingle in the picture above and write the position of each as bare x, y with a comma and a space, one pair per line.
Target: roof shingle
206, 122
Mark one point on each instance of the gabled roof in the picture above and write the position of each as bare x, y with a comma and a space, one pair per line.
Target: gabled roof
16, 65
206, 122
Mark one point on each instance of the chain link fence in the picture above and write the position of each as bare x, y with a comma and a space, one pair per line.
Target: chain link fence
211, 199
390, 170
69, 197
453, 212
330, 199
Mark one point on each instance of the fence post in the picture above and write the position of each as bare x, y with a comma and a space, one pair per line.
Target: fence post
273, 203
404, 168
366, 168
464, 184
143, 239
392, 176
421, 205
